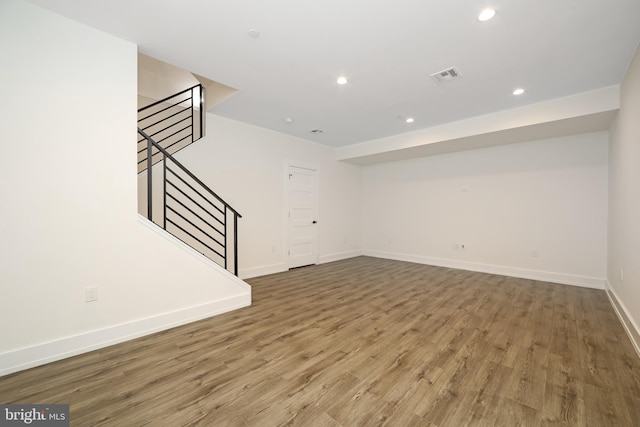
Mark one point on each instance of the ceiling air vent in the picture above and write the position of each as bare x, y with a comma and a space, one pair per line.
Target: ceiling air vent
446, 75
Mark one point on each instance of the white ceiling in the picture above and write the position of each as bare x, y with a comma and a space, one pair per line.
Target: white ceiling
387, 50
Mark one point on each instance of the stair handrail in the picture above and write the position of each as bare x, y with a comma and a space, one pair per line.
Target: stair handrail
173, 96
195, 103
151, 143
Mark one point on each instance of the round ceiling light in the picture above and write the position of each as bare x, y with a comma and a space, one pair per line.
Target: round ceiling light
486, 14
342, 80
409, 120
518, 91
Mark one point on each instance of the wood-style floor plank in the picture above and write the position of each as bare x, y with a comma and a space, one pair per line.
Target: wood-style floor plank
361, 342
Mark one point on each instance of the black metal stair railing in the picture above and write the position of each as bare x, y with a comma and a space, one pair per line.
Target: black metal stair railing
189, 209
173, 122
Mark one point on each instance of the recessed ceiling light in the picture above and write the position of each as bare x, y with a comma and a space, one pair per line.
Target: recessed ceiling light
254, 34
342, 80
288, 120
486, 14
518, 91
409, 120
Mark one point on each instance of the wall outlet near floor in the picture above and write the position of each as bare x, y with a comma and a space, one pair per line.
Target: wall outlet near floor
91, 293
534, 253
455, 246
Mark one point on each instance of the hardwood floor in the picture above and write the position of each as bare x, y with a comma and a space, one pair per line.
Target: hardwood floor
364, 341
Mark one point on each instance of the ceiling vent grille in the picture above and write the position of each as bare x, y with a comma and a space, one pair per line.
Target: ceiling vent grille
446, 75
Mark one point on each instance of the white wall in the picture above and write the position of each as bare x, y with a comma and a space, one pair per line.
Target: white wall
68, 186
624, 204
503, 203
246, 165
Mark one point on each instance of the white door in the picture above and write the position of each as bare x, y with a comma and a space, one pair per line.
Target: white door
302, 217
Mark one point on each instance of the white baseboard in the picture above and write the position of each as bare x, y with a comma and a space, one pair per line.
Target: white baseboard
40, 354
51, 351
338, 257
248, 273
544, 276
264, 270
627, 321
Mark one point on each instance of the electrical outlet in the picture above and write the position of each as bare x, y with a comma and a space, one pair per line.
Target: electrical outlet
455, 247
91, 293
534, 253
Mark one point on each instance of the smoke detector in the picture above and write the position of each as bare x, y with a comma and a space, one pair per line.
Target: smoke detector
446, 75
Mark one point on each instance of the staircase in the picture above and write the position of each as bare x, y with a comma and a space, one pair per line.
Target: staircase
174, 198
